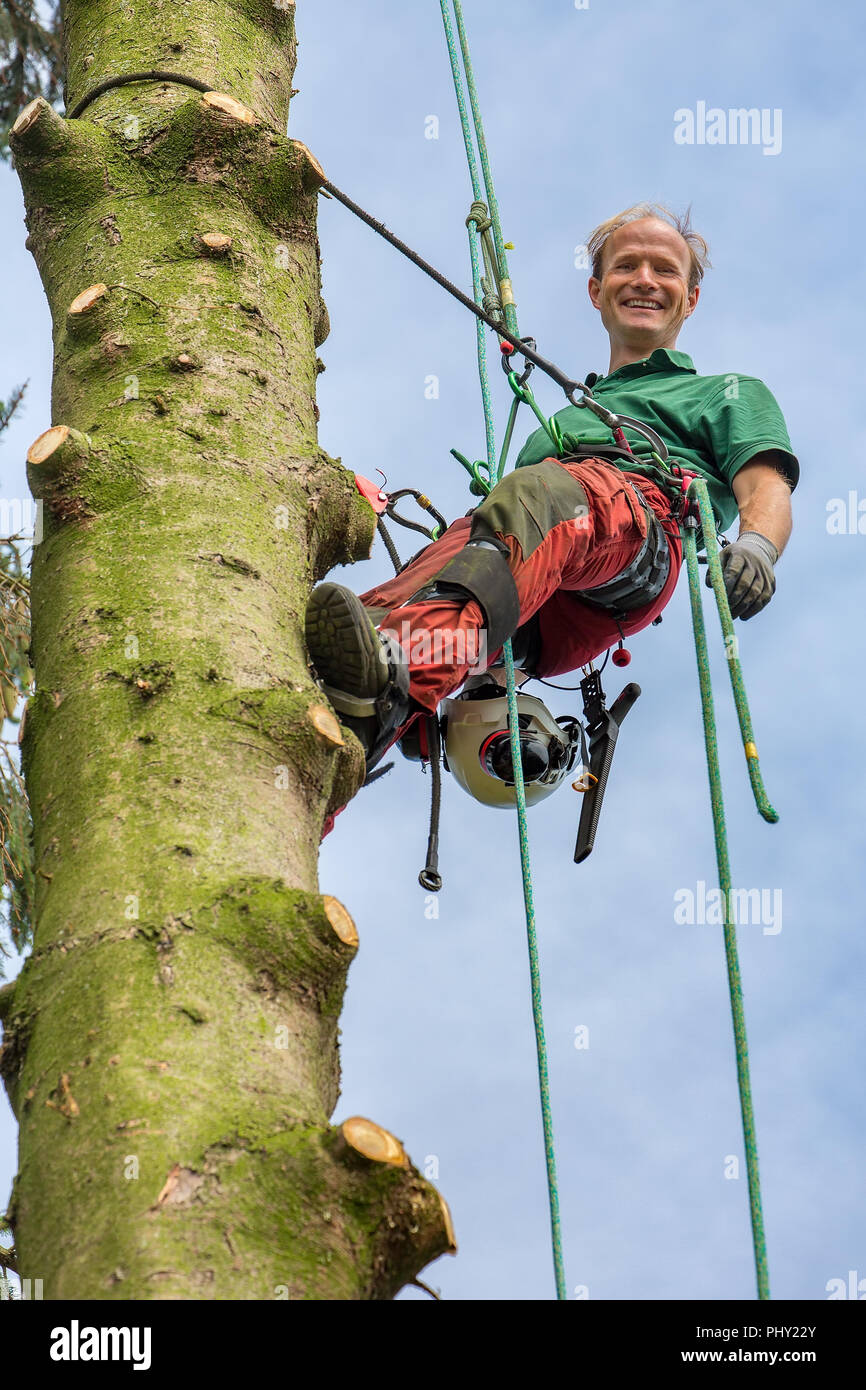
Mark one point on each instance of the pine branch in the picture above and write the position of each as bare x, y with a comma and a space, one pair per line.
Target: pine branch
9, 409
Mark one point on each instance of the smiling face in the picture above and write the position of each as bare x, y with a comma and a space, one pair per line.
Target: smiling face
643, 295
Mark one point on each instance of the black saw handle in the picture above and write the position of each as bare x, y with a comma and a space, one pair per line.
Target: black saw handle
602, 742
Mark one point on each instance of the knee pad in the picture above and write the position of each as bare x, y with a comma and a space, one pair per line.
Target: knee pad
480, 571
528, 503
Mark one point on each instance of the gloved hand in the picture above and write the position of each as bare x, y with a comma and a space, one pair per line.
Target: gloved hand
747, 565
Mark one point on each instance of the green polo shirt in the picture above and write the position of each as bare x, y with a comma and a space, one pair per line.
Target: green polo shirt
712, 424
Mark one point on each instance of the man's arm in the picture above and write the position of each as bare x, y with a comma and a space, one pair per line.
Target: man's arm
763, 496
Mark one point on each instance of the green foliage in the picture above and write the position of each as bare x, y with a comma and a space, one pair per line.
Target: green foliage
31, 58
16, 844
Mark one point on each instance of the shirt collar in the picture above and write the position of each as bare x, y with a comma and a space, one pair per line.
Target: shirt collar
662, 360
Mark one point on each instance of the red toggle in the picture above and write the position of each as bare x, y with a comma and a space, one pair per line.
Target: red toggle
375, 496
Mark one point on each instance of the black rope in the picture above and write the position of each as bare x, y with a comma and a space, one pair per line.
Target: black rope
374, 776
568, 385
155, 75
429, 877
389, 544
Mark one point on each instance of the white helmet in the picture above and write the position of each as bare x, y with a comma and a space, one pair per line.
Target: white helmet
478, 744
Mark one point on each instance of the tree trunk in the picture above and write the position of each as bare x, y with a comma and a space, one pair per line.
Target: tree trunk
171, 1045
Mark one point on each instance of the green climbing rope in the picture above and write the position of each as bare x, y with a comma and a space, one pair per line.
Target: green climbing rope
699, 490
505, 290
494, 472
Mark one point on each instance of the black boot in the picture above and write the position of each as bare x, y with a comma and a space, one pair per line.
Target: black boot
364, 674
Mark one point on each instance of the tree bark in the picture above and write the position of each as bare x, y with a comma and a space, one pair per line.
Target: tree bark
170, 1049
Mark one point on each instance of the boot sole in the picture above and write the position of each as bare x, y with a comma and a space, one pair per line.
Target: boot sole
344, 645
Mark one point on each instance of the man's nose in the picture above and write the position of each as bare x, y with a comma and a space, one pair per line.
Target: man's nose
644, 275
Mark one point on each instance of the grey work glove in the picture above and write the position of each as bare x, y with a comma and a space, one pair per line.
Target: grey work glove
747, 566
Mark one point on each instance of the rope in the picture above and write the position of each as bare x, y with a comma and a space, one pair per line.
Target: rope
429, 877
494, 472
154, 75
504, 285
569, 385
722, 860
478, 221
393, 553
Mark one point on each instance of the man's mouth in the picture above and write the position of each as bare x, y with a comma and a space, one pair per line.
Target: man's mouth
641, 304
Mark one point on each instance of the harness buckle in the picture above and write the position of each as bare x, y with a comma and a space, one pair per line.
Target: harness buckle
683, 506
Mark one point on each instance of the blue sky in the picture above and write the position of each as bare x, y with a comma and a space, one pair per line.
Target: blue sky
437, 1031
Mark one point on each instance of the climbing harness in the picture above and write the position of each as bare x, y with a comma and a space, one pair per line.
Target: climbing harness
643, 579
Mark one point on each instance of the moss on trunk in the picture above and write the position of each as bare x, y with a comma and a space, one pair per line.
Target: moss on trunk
170, 1049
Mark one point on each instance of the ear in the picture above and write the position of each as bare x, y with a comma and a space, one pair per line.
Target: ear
692, 300
594, 288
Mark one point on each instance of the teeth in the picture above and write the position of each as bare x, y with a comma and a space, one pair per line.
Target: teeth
641, 304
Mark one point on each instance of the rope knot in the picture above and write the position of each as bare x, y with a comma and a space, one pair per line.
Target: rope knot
480, 216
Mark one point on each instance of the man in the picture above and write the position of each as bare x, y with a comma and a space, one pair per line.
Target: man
568, 556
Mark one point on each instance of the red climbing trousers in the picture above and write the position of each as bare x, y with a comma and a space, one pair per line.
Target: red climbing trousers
562, 534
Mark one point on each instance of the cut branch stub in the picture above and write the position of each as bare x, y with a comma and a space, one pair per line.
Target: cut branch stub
28, 116
219, 101
326, 725
449, 1226
216, 243
364, 1137
39, 129
49, 445
86, 299
75, 480
340, 920
312, 173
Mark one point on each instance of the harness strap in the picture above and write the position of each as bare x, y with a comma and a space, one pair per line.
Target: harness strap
643, 578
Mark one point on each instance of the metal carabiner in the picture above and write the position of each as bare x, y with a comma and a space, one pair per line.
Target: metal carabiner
616, 422
425, 504
508, 349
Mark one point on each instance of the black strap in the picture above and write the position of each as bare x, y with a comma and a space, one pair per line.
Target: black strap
154, 75
482, 574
